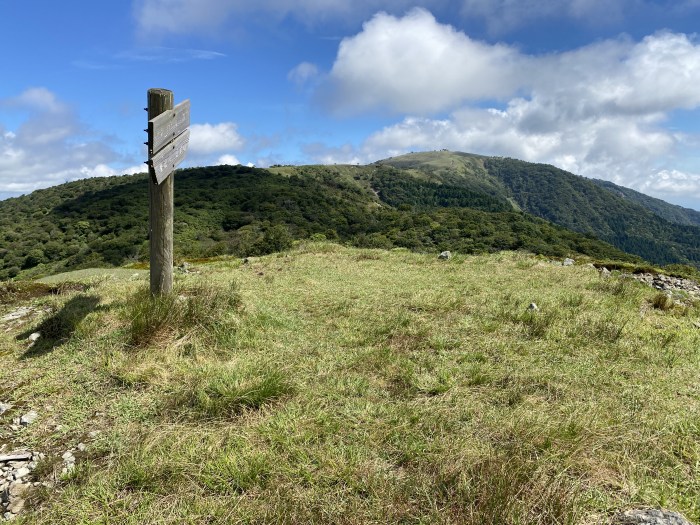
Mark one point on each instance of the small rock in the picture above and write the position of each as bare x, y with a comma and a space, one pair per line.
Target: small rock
604, 272
16, 506
17, 489
94, 433
649, 517
17, 314
33, 338
533, 307
21, 473
445, 255
82, 447
68, 457
28, 418
4, 407
568, 262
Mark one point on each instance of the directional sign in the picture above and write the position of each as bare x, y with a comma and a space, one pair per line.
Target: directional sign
168, 125
165, 161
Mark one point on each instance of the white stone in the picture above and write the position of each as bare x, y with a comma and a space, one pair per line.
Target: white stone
28, 418
21, 472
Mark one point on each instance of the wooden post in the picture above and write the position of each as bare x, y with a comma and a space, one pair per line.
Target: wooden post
161, 208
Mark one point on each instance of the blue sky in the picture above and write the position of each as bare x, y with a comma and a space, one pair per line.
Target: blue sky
603, 88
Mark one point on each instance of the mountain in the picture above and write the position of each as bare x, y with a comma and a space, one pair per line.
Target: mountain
430, 201
642, 226
247, 211
670, 212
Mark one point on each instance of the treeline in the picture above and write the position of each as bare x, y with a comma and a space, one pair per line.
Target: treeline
247, 211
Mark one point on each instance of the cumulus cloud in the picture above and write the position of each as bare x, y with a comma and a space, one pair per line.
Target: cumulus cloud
212, 138
50, 146
415, 64
229, 160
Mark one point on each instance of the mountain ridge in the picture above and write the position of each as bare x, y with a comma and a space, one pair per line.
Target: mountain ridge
424, 201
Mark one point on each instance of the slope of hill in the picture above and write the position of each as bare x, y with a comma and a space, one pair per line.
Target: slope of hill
565, 199
670, 212
247, 211
354, 386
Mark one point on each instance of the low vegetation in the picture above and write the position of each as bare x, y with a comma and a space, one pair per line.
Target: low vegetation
341, 385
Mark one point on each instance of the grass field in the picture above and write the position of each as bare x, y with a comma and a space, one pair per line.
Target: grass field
337, 385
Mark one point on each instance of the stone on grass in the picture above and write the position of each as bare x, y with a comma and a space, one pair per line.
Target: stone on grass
649, 517
533, 307
568, 262
445, 255
28, 418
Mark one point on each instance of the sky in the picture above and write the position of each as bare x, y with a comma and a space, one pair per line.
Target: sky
608, 89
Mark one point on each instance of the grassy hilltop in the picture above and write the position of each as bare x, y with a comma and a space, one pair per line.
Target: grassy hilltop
343, 385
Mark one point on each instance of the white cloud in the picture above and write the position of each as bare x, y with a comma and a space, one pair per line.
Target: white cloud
303, 73
212, 138
415, 64
672, 183
168, 55
50, 146
37, 99
230, 160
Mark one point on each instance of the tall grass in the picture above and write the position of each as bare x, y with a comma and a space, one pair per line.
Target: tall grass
155, 319
372, 387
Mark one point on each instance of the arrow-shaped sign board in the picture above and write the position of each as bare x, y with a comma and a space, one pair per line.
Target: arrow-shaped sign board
165, 161
168, 125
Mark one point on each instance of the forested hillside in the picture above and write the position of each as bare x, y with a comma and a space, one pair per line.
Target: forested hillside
248, 211
670, 212
655, 230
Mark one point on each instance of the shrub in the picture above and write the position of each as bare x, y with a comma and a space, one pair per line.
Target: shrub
152, 318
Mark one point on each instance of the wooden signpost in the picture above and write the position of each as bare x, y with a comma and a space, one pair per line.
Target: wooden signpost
168, 138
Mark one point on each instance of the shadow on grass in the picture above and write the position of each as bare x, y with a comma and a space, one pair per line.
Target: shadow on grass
58, 328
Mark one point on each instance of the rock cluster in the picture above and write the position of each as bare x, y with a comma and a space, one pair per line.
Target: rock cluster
667, 283
15, 475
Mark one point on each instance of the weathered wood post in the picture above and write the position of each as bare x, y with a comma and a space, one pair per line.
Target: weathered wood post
161, 207
168, 138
